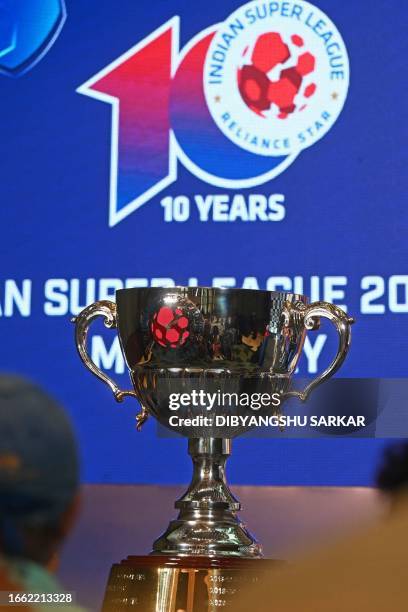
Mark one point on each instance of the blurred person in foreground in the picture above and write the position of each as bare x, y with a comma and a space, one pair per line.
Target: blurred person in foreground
39, 484
365, 572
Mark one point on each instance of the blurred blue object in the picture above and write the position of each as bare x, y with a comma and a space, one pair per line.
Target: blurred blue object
28, 29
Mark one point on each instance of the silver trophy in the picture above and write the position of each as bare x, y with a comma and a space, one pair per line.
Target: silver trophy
230, 341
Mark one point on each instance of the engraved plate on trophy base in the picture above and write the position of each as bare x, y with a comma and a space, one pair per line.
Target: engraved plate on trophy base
189, 584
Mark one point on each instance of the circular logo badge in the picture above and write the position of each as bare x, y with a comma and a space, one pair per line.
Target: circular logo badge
276, 76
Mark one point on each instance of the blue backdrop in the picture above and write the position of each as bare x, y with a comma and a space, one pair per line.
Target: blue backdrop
79, 220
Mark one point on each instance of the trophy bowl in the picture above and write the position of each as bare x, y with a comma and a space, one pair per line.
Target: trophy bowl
221, 341
208, 344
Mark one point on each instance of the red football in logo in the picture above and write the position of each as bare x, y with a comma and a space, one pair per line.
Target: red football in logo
268, 80
169, 327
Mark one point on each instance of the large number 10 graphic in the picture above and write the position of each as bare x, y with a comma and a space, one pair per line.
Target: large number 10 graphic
159, 116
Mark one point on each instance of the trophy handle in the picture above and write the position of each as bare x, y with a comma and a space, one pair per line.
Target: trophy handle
309, 317
105, 309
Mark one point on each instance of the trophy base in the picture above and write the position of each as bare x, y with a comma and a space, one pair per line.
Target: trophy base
189, 584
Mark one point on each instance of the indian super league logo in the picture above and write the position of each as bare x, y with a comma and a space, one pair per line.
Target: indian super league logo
276, 77
235, 106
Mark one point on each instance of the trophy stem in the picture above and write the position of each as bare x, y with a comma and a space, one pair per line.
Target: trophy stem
207, 523
208, 486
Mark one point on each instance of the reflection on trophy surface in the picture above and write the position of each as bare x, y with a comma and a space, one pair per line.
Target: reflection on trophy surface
226, 342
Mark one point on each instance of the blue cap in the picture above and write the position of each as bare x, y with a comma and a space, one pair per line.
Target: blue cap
39, 472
